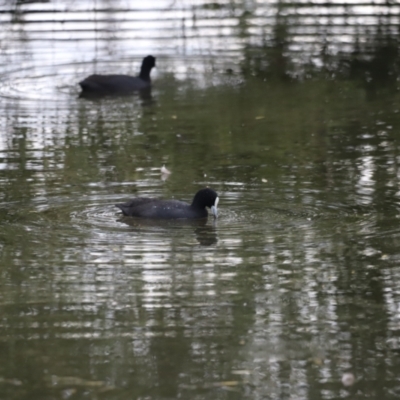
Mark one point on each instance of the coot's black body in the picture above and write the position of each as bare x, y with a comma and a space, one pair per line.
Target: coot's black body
147, 207
119, 84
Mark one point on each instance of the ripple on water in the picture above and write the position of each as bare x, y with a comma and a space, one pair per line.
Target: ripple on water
95, 220
94, 259
54, 84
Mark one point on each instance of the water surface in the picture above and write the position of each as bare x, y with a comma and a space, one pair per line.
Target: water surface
292, 287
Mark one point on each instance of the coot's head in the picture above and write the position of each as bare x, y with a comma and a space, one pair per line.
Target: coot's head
147, 64
206, 198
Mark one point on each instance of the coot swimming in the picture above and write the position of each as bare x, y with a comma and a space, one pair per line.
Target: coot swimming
147, 207
119, 84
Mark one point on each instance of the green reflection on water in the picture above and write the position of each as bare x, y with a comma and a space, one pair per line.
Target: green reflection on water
295, 284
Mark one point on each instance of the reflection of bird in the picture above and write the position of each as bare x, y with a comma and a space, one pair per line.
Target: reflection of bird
147, 207
206, 235
119, 84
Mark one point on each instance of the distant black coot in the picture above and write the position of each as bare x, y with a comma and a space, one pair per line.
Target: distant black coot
119, 84
147, 207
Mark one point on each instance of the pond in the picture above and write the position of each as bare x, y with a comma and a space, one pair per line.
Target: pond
293, 292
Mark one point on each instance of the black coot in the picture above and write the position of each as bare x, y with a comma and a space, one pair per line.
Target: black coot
119, 84
147, 207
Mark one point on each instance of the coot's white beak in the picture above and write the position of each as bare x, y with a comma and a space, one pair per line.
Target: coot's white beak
214, 208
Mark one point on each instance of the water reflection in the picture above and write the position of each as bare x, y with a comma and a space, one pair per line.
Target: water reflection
204, 231
294, 286
144, 95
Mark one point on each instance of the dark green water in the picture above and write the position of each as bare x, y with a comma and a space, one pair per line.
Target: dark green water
293, 287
